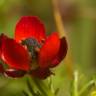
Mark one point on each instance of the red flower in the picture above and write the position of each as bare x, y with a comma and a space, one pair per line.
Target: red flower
32, 51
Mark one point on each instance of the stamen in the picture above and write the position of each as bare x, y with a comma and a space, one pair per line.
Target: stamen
37, 49
33, 46
43, 40
31, 42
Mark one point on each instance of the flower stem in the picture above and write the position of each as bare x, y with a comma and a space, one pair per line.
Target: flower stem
40, 86
75, 85
43, 88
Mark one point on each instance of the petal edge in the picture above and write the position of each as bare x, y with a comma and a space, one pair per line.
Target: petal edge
62, 52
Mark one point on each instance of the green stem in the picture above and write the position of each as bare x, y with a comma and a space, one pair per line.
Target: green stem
75, 84
86, 86
40, 86
43, 88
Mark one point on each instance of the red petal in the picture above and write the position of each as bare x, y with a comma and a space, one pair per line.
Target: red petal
2, 38
15, 55
0, 45
41, 73
29, 26
1, 68
49, 50
14, 73
61, 54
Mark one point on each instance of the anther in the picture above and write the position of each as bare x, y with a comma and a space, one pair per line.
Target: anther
33, 46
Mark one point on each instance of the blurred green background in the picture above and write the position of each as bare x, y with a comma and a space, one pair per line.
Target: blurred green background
79, 17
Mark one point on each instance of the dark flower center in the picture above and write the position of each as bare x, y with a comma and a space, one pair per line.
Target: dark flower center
33, 46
